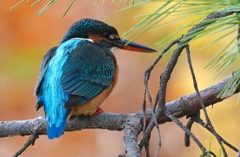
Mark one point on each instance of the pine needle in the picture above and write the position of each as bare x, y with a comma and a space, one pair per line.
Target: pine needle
46, 7
68, 8
35, 2
17, 4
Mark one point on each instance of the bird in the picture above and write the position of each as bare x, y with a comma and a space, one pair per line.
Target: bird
79, 74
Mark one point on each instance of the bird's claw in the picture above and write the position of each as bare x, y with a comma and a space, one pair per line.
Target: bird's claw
99, 110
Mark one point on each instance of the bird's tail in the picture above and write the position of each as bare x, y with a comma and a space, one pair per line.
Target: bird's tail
56, 124
54, 131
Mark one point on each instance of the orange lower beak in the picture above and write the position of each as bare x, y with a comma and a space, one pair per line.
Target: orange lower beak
131, 46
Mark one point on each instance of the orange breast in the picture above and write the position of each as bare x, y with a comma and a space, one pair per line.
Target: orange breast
90, 107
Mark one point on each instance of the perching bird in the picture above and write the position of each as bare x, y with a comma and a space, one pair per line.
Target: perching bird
79, 74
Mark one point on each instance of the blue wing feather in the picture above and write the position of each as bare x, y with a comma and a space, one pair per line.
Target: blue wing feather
46, 59
86, 73
48, 89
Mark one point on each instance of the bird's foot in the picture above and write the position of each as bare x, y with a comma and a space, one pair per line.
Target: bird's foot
99, 110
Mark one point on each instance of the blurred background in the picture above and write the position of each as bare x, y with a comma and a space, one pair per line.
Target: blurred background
24, 39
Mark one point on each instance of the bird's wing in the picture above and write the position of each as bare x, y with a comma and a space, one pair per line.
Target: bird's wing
87, 72
46, 59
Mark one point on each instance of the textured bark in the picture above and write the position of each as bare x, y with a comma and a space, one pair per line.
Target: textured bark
131, 132
185, 105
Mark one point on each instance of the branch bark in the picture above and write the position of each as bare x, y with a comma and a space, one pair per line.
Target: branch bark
185, 105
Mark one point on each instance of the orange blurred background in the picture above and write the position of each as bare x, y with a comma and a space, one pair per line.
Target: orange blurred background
25, 38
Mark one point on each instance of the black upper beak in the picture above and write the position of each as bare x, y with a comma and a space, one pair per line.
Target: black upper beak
122, 44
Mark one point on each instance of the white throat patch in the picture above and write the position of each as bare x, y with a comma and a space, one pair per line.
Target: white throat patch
83, 39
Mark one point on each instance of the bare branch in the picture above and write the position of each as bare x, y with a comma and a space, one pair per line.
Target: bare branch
147, 92
189, 126
29, 142
185, 105
183, 127
195, 85
130, 123
131, 132
198, 120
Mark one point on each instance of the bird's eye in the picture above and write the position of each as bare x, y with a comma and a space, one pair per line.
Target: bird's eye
112, 36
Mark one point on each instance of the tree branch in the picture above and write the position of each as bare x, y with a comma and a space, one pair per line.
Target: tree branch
185, 105
29, 142
131, 132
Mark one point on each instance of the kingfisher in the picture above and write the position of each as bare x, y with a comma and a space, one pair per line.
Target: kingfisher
79, 74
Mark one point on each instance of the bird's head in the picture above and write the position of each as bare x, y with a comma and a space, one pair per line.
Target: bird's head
102, 34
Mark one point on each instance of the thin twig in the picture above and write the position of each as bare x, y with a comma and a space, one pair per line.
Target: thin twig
238, 154
29, 142
201, 100
185, 129
196, 86
189, 126
147, 146
200, 121
147, 92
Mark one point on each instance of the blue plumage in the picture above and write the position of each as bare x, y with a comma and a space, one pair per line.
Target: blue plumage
51, 94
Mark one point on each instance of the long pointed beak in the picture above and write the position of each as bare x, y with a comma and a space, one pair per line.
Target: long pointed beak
133, 46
